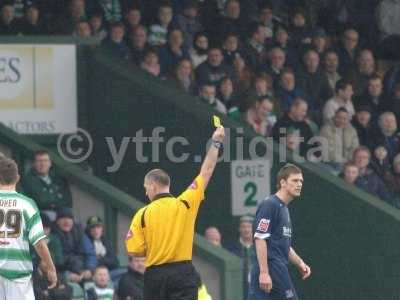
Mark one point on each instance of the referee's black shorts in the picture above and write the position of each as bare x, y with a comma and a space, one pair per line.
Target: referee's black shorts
172, 281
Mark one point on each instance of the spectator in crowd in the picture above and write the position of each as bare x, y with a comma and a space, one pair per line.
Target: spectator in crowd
132, 282
66, 24
262, 86
158, 32
83, 29
230, 22
79, 254
53, 242
281, 40
277, 59
388, 21
300, 32
392, 77
102, 248
32, 23
343, 98
102, 288
189, 23
368, 180
8, 22
363, 124
172, 52
314, 83
243, 75
43, 184
295, 119
198, 53
208, 95
260, 115
227, 95
110, 9
254, 50
388, 134
214, 68
331, 64
151, 63
350, 173
348, 51
341, 139
132, 18
267, 19
319, 41
363, 72
373, 96
138, 44
393, 102
116, 41
184, 76
96, 24
287, 91
213, 235
230, 48
243, 248
381, 165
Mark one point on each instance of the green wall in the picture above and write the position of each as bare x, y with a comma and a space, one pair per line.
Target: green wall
349, 238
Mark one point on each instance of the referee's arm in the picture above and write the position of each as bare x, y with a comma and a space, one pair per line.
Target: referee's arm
210, 161
134, 241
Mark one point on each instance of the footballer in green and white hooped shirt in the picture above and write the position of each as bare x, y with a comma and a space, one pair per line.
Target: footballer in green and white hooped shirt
20, 227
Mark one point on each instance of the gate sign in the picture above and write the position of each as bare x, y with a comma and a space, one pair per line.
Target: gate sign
250, 184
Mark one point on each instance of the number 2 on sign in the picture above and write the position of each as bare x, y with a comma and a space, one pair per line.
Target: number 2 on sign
250, 188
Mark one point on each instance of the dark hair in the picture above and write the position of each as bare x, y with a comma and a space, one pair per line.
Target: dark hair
8, 171
159, 176
100, 267
374, 76
286, 70
266, 5
341, 109
330, 51
285, 172
116, 25
298, 101
40, 153
341, 84
164, 3
361, 149
150, 50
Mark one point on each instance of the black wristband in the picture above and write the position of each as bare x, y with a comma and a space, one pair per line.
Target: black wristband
217, 144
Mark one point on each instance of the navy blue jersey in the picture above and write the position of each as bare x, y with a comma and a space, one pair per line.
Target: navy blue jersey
272, 223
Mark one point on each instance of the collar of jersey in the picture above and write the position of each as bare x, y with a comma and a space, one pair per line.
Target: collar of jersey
162, 195
7, 192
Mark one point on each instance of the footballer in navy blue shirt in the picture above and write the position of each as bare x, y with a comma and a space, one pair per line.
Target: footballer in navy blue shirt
270, 279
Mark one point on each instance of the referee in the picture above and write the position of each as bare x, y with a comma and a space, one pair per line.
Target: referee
163, 231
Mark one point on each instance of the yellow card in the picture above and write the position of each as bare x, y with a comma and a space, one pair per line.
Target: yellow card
217, 121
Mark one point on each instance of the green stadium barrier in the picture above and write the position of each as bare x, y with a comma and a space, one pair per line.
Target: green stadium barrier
349, 237
229, 266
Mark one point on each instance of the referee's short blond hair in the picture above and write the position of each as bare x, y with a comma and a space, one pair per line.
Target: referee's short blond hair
158, 176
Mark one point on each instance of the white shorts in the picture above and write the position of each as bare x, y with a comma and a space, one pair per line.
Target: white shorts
13, 290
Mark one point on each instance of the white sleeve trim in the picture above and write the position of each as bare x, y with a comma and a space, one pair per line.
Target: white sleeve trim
262, 236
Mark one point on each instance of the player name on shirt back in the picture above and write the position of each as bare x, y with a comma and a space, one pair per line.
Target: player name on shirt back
8, 202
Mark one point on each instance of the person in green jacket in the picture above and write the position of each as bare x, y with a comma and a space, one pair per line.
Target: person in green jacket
41, 183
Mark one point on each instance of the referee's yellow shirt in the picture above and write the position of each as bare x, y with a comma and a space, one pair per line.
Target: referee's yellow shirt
163, 230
